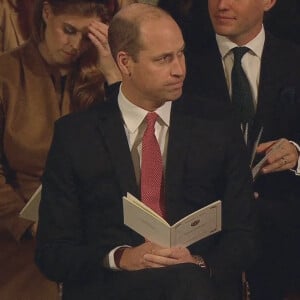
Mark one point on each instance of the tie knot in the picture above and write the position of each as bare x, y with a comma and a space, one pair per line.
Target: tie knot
239, 52
151, 118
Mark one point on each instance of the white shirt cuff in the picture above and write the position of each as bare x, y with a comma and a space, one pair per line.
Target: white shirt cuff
111, 258
297, 171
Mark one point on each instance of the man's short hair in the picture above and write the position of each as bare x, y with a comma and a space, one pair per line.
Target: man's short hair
124, 32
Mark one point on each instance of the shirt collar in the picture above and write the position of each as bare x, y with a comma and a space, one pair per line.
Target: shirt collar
255, 45
134, 115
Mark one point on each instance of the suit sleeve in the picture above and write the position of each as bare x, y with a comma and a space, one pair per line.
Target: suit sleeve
237, 247
62, 253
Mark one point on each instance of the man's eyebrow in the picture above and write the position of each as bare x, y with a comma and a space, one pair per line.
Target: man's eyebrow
169, 53
172, 52
182, 47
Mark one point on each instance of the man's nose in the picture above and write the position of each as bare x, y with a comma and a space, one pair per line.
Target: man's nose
178, 66
223, 4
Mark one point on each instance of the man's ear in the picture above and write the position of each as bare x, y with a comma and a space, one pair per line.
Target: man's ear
268, 4
47, 11
124, 62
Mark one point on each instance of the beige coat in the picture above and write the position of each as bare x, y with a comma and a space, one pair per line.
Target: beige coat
10, 35
30, 102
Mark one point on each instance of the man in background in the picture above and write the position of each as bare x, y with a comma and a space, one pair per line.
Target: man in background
269, 100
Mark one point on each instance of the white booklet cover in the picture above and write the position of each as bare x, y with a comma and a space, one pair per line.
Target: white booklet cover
31, 210
190, 229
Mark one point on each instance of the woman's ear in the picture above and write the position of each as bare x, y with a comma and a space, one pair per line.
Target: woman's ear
47, 11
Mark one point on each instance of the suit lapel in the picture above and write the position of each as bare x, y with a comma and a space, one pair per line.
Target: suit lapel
269, 78
180, 126
271, 81
112, 130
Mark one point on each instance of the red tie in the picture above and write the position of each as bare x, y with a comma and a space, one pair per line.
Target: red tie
152, 168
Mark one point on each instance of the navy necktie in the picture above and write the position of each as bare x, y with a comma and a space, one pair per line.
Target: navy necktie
241, 92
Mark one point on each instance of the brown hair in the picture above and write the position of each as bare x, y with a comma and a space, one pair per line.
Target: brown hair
86, 79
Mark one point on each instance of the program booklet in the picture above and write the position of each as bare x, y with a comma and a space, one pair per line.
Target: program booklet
31, 210
190, 229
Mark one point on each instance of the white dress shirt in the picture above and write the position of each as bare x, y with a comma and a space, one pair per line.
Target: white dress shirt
251, 60
135, 126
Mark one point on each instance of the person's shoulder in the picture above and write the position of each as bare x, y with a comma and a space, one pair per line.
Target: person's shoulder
86, 118
9, 66
11, 60
281, 55
209, 114
282, 46
206, 49
207, 108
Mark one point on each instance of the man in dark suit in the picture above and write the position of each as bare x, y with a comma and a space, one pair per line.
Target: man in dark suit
272, 67
82, 240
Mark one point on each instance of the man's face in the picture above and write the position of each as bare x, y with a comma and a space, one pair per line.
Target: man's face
158, 73
239, 20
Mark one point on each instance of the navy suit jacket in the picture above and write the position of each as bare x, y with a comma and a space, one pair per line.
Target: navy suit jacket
278, 111
89, 169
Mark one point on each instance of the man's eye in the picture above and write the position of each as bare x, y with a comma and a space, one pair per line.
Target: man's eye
165, 58
181, 53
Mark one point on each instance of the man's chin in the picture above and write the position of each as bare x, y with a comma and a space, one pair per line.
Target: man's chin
175, 95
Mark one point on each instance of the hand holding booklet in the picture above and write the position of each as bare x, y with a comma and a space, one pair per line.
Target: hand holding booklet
190, 229
257, 168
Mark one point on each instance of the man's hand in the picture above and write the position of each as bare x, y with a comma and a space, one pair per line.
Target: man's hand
285, 157
133, 258
167, 256
149, 255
